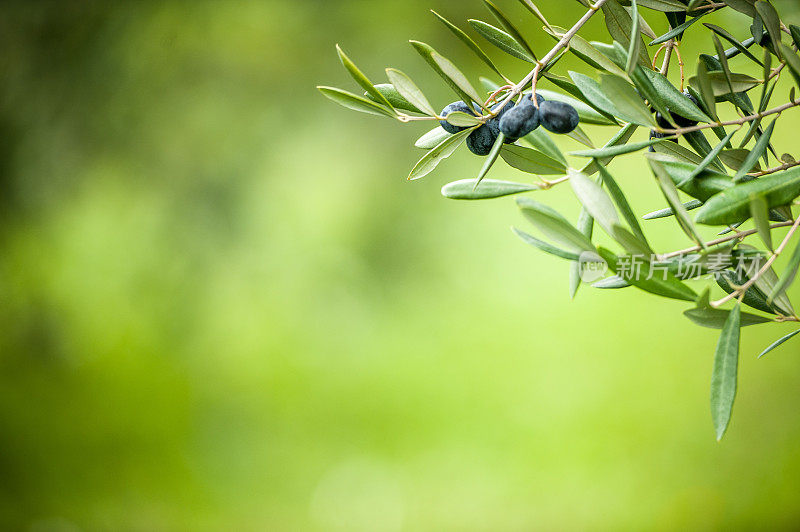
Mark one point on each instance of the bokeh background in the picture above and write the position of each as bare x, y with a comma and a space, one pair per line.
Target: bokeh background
224, 307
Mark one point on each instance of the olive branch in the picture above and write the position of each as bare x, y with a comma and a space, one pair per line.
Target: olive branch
622, 87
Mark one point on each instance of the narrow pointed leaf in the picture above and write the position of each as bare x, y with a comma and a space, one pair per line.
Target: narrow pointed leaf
619, 23
554, 226
470, 189
435, 61
536, 12
665, 213
586, 227
509, 27
456, 76
621, 202
629, 105
445, 149
663, 284
472, 45
771, 20
716, 318
675, 31
706, 89
636, 42
613, 151
665, 6
459, 119
719, 82
760, 213
592, 91
712, 155
540, 140
722, 32
733, 205
579, 135
546, 247
409, 90
586, 113
758, 150
588, 53
531, 161
361, 79
674, 99
779, 342
622, 136
394, 97
432, 138
724, 374
491, 159
673, 199
354, 102
501, 40
595, 200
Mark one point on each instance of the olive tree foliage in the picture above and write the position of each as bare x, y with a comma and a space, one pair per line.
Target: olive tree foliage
710, 150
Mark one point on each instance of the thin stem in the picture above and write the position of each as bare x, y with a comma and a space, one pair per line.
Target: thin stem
737, 122
768, 171
742, 289
710, 243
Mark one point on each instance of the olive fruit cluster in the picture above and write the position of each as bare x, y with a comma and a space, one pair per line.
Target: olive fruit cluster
514, 122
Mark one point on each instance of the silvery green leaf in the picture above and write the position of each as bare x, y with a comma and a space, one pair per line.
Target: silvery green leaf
724, 373
437, 62
509, 27
361, 79
675, 31
716, 318
432, 138
445, 149
554, 226
502, 40
354, 102
665, 213
613, 151
544, 246
621, 202
460, 119
619, 23
772, 22
409, 90
722, 32
531, 161
491, 159
635, 43
674, 99
665, 285
719, 82
760, 213
472, 45
595, 200
733, 205
394, 97
673, 199
663, 5
628, 103
779, 342
470, 189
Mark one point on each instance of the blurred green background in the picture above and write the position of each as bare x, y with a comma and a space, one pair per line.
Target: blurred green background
224, 307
